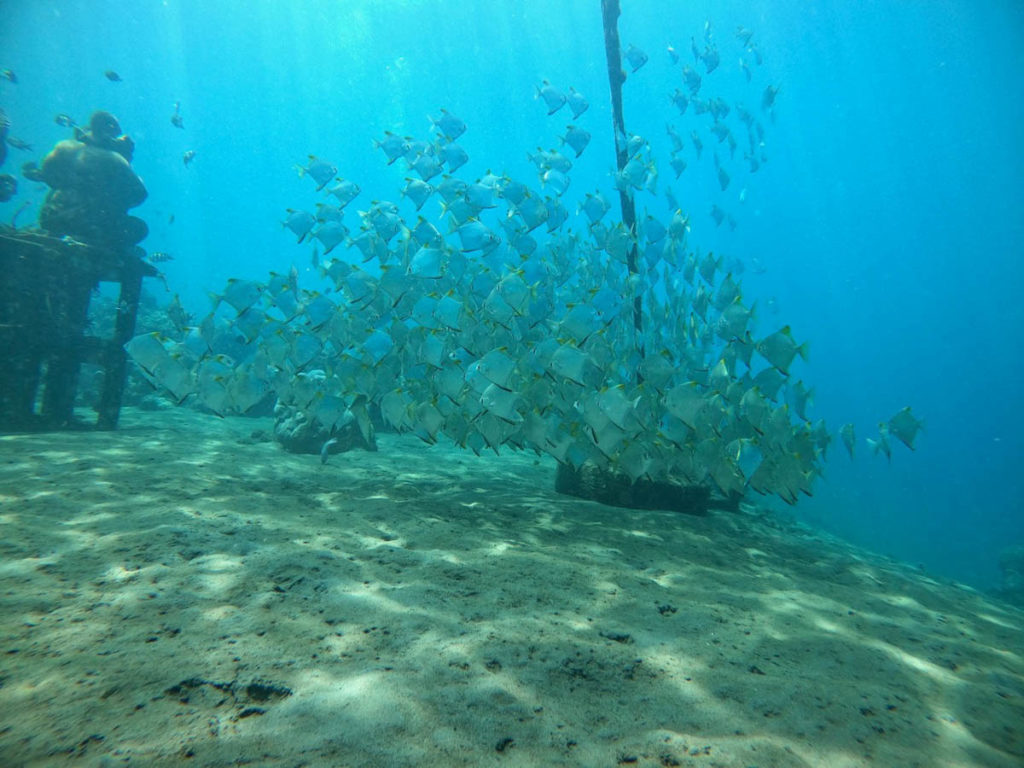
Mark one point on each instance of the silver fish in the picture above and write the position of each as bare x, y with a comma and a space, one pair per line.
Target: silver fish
905, 427
553, 98
577, 102
320, 171
636, 57
325, 449
449, 125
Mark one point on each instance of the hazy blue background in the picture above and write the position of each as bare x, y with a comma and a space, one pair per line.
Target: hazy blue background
888, 217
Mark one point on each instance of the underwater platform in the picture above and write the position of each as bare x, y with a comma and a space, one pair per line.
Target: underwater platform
44, 307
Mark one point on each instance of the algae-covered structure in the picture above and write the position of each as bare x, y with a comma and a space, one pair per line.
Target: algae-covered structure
85, 237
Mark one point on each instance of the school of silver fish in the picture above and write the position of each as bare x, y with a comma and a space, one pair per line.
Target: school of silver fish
509, 321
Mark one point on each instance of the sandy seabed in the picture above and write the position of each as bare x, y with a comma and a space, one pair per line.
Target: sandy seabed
179, 592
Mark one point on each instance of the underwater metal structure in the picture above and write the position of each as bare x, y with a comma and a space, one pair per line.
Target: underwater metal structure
44, 308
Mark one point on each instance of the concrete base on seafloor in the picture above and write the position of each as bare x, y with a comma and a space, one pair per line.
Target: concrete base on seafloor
617, 490
298, 433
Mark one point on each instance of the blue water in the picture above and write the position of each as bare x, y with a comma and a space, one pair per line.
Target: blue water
887, 217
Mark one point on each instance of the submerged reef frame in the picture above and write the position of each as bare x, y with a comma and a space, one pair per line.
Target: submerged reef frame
44, 307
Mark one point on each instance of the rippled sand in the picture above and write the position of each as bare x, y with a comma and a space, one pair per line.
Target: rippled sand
181, 593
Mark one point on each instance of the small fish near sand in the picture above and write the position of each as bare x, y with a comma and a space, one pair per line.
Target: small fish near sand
112, 76
325, 449
188, 157
176, 119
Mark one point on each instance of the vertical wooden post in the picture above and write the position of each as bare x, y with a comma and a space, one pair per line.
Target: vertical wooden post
616, 77
113, 355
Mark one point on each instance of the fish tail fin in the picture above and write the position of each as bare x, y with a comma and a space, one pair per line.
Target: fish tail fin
804, 349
